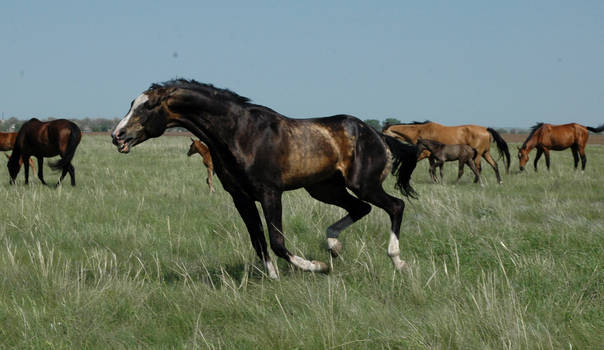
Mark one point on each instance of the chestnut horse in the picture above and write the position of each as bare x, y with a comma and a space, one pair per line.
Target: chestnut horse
203, 150
546, 137
258, 154
45, 139
477, 137
7, 142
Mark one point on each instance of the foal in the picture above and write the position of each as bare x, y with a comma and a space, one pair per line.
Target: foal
441, 153
203, 150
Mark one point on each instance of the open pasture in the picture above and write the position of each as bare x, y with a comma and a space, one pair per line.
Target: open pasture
139, 254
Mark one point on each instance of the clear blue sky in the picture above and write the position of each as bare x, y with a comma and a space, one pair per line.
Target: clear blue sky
502, 64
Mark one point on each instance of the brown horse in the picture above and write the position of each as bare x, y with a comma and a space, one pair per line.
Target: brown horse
45, 139
203, 150
477, 137
258, 154
441, 153
7, 142
546, 137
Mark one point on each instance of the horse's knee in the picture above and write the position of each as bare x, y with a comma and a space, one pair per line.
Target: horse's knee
362, 210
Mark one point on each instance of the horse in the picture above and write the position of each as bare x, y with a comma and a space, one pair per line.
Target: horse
545, 137
7, 142
45, 139
203, 150
441, 153
258, 154
477, 137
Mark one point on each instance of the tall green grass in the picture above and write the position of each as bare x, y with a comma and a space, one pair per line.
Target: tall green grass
140, 255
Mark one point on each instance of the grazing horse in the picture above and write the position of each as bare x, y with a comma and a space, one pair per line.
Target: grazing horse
258, 154
546, 137
45, 139
441, 153
7, 142
477, 137
203, 150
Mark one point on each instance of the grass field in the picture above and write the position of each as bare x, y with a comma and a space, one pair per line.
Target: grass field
140, 255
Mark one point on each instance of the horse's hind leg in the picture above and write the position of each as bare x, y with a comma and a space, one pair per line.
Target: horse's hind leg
432, 169
375, 194
247, 209
40, 171
472, 166
271, 206
575, 155
71, 171
460, 171
583, 158
493, 163
478, 166
333, 191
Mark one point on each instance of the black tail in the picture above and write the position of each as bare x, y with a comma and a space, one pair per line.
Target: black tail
502, 147
596, 130
74, 140
405, 160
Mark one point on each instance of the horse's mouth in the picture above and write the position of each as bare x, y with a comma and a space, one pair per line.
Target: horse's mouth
123, 146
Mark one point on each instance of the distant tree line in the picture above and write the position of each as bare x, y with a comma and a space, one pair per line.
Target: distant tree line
86, 124
104, 125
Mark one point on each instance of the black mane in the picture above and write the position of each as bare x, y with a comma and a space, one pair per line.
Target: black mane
206, 89
534, 128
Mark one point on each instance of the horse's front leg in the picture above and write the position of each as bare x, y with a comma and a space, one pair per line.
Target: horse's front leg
546, 153
539, 154
442, 177
247, 209
271, 206
25, 161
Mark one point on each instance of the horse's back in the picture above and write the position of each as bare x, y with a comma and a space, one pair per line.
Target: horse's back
47, 139
317, 148
473, 135
559, 137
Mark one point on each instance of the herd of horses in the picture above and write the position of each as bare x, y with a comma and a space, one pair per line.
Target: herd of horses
258, 154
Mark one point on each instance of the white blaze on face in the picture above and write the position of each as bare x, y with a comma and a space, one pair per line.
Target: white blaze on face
137, 102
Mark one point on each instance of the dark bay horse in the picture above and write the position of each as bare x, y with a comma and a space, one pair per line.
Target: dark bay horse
7, 142
203, 150
45, 139
546, 137
258, 154
441, 153
475, 136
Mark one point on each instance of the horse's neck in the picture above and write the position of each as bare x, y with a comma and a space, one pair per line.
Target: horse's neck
531, 143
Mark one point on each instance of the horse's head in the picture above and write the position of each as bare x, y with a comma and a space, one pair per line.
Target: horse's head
192, 148
147, 118
523, 157
13, 165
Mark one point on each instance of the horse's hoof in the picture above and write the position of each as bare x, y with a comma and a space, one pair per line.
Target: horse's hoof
320, 266
334, 246
401, 266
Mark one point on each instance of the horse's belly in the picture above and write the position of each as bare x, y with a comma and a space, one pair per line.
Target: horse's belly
308, 170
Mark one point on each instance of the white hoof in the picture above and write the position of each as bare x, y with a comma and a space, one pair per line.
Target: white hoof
334, 246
